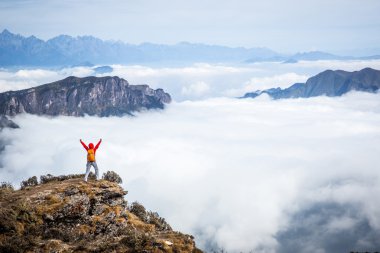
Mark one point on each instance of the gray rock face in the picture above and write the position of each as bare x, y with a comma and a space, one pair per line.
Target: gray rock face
5, 122
73, 96
329, 83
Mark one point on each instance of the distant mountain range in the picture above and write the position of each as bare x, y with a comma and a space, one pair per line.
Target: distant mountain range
64, 50
16, 50
329, 83
73, 96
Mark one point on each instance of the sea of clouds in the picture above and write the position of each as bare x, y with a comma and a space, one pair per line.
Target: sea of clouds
194, 82
296, 175
238, 174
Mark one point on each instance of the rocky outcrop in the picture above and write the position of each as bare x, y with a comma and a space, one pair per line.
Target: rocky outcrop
65, 214
73, 96
329, 83
5, 122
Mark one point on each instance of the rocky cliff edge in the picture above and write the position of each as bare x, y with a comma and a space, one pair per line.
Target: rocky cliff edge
66, 214
74, 96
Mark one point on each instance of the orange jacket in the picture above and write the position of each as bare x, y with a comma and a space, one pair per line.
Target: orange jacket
91, 146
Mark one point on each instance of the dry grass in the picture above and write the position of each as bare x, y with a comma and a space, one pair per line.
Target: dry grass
121, 220
49, 209
137, 223
25, 211
53, 199
97, 219
85, 229
113, 209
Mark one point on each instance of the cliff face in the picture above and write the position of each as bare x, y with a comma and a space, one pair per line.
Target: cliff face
5, 122
69, 215
73, 96
329, 83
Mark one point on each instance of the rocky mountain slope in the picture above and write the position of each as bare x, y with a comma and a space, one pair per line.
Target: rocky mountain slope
66, 214
73, 96
329, 83
5, 122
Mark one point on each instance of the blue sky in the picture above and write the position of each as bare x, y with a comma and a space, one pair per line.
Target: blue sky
285, 26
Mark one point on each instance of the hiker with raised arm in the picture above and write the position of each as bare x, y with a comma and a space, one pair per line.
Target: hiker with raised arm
91, 161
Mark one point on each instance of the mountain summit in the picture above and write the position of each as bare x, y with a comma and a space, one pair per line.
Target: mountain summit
65, 214
73, 96
329, 83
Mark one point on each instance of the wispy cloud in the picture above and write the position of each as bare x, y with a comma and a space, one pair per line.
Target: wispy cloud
26, 78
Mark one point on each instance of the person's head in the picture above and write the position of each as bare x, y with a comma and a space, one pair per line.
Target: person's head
91, 145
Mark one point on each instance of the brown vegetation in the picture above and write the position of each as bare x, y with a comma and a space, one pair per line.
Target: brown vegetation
65, 214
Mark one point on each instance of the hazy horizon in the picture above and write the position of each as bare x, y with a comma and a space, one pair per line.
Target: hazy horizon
355, 52
283, 26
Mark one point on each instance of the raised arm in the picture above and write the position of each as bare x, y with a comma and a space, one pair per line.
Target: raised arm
97, 145
83, 144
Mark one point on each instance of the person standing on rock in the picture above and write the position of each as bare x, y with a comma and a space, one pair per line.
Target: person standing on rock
91, 151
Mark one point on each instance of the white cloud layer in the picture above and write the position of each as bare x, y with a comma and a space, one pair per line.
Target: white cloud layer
232, 172
26, 78
198, 81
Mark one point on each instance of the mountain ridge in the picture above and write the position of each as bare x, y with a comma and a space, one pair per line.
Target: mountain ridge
329, 83
74, 96
65, 50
